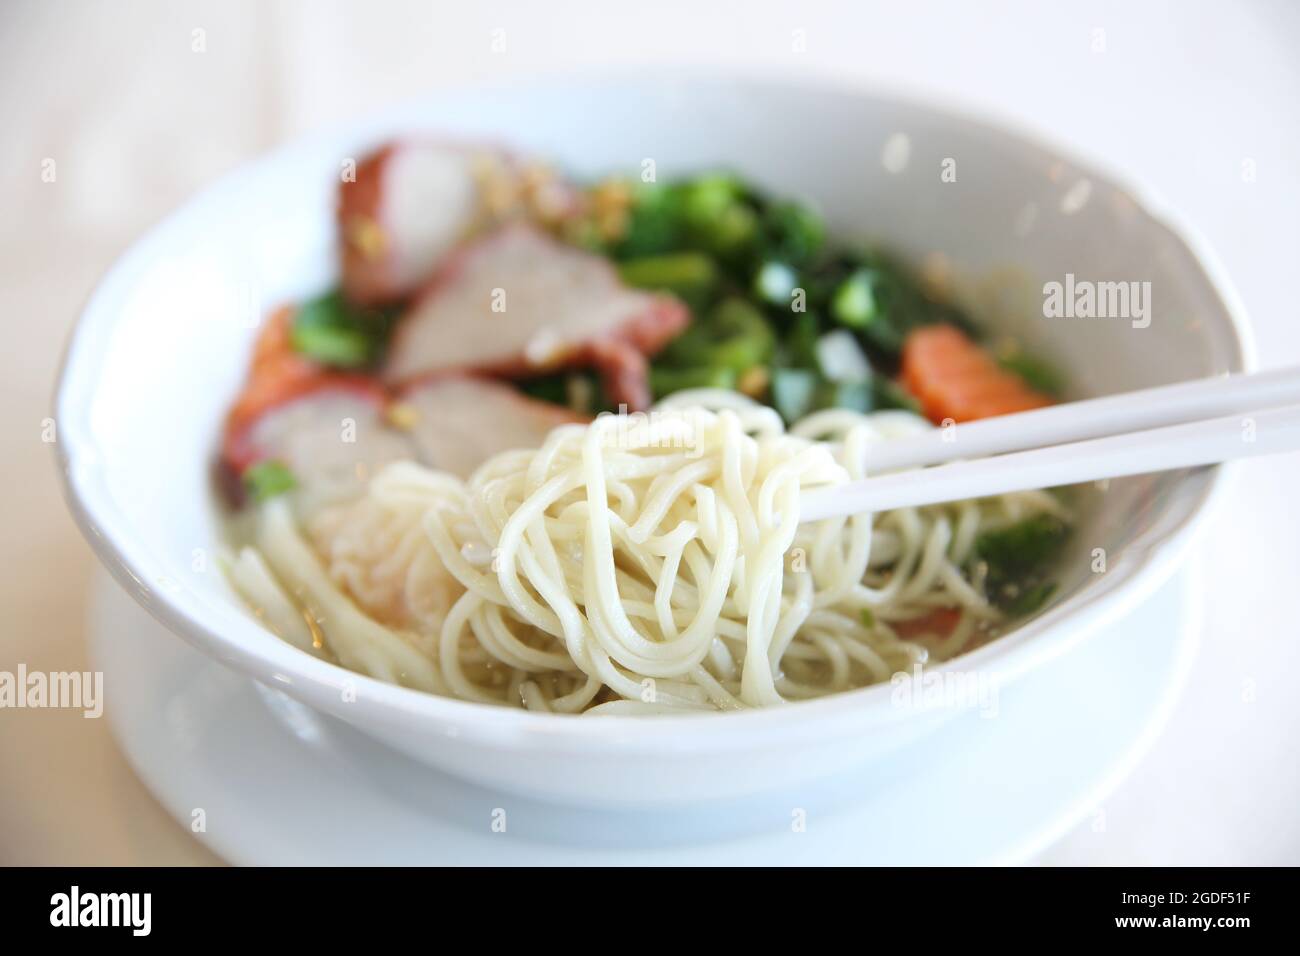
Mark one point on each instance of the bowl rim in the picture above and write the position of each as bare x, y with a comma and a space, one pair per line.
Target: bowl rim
256, 652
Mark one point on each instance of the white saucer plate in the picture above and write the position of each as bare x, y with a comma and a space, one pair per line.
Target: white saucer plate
274, 783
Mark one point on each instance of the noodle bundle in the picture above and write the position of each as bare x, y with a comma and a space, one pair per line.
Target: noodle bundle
644, 563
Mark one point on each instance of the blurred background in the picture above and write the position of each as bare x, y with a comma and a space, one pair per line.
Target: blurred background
141, 102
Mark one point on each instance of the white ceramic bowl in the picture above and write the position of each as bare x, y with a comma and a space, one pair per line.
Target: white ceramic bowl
163, 344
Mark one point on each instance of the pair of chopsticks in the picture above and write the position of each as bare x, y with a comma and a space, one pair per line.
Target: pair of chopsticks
1200, 422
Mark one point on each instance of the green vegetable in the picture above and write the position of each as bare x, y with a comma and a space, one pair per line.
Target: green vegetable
709, 197
887, 394
795, 231
841, 360
328, 330
744, 337
1037, 374
854, 302
691, 276
665, 381
868, 617
736, 258
775, 282
579, 391
1023, 546
1017, 557
716, 215
547, 388
332, 346
830, 377
654, 222
733, 335
855, 396
793, 392
733, 232
799, 349
881, 301
1030, 599
884, 337
266, 479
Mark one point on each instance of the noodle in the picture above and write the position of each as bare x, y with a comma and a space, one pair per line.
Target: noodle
640, 564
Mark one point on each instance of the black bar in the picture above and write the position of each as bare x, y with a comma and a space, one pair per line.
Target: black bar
209, 905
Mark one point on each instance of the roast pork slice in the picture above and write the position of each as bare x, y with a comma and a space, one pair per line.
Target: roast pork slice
409, 204
332, 437
518, 302
457, 422
412, 202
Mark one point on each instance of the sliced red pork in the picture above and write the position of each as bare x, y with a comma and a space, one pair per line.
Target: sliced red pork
457, 422
518, 302
333, 438
412, 202
334, 432
318, 422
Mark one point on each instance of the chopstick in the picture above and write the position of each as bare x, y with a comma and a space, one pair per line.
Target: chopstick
1091, 418
1134, 453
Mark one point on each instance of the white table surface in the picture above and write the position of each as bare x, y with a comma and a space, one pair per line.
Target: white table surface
1182, 96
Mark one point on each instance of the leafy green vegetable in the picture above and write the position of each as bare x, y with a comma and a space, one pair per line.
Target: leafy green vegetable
794, 231
691, 276
736, 257
1037, 374
884, 338
793, 392
1017, 557
820, 383
840, 359
328, 330
733, 232
665, 381
733, 335
1030, 599
579, 391
868, 617
746, 337
654, 222
329, 345
547, 388
854, 302
707, 198
870, 301
716, 215
888, 394
266, 479
855, 396
799, 349
775, 282
1022, 546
